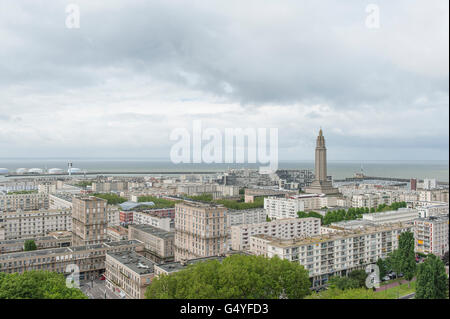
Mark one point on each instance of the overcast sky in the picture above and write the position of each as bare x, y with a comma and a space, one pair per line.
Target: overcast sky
135, 70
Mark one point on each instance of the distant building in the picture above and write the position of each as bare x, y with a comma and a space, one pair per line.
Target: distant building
413, 184
402, 215
116, 233
429, 183
24, 202
321, 183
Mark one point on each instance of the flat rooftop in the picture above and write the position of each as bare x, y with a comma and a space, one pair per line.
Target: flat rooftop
67, 250
155, 231
330, 236
134, 261
176, 266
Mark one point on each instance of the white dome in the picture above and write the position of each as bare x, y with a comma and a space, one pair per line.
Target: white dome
21, 170
4, 171
55, 171
35, 170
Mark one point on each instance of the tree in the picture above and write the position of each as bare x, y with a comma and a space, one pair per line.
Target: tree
29, 245
432, 281
359, 276
37, 285
235, 277
343, 283
407, 258
445, 258
383, 266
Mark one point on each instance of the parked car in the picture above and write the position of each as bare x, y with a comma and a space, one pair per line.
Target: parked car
386, 278
400, 274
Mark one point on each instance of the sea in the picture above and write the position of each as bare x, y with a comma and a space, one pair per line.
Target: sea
438, 169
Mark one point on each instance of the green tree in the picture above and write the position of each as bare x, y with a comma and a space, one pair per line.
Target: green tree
407, 258
383, 266
29, 245
37, 285
235, 277
359, 276
343, 283
432, 280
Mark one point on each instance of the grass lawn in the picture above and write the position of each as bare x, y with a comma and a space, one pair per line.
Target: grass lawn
398, 291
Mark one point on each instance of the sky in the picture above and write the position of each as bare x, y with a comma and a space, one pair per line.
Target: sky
136, 70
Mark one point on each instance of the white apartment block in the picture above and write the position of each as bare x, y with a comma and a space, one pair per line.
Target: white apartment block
428, 209
165, 223
429, 183
26, 224
431, 235
246, 216
34, 201
280, 228
280, 208
334, 253
113, 215
371, 200
402, 215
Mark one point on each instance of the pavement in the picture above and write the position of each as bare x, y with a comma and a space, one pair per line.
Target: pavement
97, 290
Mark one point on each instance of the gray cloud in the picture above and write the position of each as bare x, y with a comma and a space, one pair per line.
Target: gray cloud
136, 69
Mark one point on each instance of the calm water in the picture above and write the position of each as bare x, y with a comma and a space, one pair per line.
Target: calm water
338, 169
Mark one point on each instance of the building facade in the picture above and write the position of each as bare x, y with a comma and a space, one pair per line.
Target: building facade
431, 235
89, 220
200, 230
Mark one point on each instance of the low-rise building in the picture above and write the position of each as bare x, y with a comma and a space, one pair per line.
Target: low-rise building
401, 215
24, 202
143, 218
27, 224
116, 233
89, 259
280, 228
128, 274
158, 243
53, 240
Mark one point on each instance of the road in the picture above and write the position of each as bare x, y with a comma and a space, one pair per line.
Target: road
97, 290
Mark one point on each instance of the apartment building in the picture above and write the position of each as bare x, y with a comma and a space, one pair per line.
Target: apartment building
24, 202
89, 259
371, 199
431, 235
128, 274
246, 216
200, 230
25, 224
334, 253
280, 228
60, 201
107, 187
144, 218
112, 215
158, 243
53, 240
428, 209
89, 220
402, 215
280, 208
434, 195
116, 233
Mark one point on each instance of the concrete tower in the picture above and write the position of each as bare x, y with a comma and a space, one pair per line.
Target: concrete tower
321, 185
